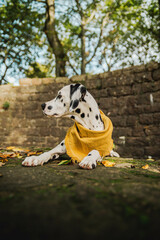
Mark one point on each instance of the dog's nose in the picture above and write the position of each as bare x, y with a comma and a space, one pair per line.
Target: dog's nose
43, 106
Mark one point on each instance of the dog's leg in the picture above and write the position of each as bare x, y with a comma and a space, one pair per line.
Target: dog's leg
114, 154
44, 157
90, 161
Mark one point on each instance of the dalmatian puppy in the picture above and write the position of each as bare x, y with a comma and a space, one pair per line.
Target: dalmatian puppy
75, 102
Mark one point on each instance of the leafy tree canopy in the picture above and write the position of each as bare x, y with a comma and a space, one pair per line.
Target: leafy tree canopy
76, 36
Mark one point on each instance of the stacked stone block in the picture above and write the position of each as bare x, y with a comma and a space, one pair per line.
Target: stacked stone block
130, 97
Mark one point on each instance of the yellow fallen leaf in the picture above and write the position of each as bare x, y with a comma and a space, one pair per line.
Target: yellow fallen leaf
38, 153
145, 166
17, 149
150, 159
107, 163
64, 162
19, 155
3, 160
31, 153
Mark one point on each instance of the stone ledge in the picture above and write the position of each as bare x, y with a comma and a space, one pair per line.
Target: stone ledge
39, 81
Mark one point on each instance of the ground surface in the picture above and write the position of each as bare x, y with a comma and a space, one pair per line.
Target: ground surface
66, 202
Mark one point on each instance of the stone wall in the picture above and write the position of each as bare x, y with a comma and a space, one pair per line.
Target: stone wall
131, 98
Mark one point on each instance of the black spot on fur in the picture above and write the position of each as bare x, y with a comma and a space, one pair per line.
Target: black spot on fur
96, 117
64, 104
73, 117
59, 96
73, 88
83, 91
78, 110
82, 115
90, 109
62, 144
75, 104
62, 100
88, 115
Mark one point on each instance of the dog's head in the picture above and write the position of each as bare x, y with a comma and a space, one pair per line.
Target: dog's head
66, 101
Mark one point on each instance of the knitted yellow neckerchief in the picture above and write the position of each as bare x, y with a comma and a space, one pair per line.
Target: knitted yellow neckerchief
79, 140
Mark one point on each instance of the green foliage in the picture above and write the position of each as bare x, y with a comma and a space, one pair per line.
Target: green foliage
6, 105
135, 34
20, 38
115, 33
38, 70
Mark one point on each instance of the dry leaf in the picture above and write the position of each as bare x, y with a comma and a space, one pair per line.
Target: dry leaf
17, 149
3, 160
31, 153
150, 159
1, 164
7, 154
145, 166
124, 165
107, 163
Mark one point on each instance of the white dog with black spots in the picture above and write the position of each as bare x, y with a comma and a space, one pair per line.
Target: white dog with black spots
75, 102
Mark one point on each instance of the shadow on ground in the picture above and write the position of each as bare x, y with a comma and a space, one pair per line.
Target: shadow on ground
66, 202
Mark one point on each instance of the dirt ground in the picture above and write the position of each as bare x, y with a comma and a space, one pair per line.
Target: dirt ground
66, 202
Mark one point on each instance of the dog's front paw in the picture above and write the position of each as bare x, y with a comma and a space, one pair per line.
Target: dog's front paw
35, 160
88, 163
32, 161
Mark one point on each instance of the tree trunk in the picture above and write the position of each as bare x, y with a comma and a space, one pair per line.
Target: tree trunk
83, 50
159, 25
53, 39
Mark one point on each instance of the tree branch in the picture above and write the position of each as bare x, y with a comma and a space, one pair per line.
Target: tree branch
90, 18
41, 1
74, 70
99, 40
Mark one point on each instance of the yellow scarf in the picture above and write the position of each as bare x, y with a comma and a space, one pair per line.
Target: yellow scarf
79, 140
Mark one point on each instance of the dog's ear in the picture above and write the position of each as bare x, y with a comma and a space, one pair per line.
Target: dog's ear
83, 92
77, 94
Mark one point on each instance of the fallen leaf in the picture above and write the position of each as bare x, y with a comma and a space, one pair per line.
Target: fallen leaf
17, 149
154, 170
38, 153
3, 160
107, 163
2, 164
124, 165
150, 159
19, 156
145, 166
7, 154
63, 162
31, 153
